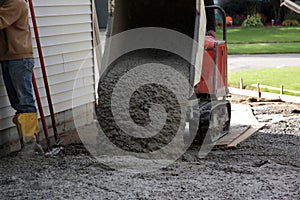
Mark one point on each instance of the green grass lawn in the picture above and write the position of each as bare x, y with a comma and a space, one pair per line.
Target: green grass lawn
264, 48
262, 40
289, 77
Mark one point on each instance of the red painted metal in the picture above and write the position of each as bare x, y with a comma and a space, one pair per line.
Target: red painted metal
41, 57
214, 70
40, 107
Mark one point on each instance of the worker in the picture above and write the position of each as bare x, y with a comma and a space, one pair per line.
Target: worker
211, 19
17, 62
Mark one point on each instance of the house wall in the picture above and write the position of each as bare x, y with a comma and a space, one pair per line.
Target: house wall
65, 29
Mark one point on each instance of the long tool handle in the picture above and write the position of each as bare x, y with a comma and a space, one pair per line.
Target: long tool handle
40, 107
41, 57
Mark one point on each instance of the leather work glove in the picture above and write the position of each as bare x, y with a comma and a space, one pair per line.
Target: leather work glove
212, 33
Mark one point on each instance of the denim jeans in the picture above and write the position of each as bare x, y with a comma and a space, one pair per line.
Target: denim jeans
17, 76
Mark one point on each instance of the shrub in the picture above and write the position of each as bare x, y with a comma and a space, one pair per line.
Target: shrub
290, 22
252, 21
238, 19
263, 18
292, 16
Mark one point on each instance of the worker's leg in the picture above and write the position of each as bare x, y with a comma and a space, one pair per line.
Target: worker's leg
20, 72
11, 92
18, 80
12, 95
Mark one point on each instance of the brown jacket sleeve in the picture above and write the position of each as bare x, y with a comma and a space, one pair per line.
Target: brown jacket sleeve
210, 15
10, 12
15, 35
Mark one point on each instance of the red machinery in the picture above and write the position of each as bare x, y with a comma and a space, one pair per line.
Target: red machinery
209, 113
213, 112
214, 72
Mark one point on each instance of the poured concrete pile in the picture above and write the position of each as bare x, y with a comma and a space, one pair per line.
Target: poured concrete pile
155, 92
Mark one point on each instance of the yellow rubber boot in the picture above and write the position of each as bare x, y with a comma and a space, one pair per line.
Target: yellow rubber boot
27, 124
28, 128
15, 121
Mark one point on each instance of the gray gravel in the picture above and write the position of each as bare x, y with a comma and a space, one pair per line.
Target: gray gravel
266, 166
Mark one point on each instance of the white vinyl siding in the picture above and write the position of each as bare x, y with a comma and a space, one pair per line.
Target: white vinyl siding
65, 29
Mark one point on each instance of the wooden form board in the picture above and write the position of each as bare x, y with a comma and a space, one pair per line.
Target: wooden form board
239, 134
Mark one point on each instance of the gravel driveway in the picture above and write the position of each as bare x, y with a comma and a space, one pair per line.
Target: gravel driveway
266, 166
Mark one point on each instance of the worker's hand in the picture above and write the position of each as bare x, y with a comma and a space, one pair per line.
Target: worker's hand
212, 33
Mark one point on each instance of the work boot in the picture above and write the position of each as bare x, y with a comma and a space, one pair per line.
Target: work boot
15, 121
28, 125
28, 128
32, 148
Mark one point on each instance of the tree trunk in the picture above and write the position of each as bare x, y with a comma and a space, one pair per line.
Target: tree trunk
276, 7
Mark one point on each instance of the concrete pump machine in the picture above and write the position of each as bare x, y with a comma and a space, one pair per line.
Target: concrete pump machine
146, 40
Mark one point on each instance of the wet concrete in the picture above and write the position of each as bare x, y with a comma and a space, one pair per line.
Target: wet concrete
266, 166
151, 89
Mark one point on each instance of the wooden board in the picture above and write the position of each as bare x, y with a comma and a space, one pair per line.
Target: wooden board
238, 134
253, 129
234, 132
